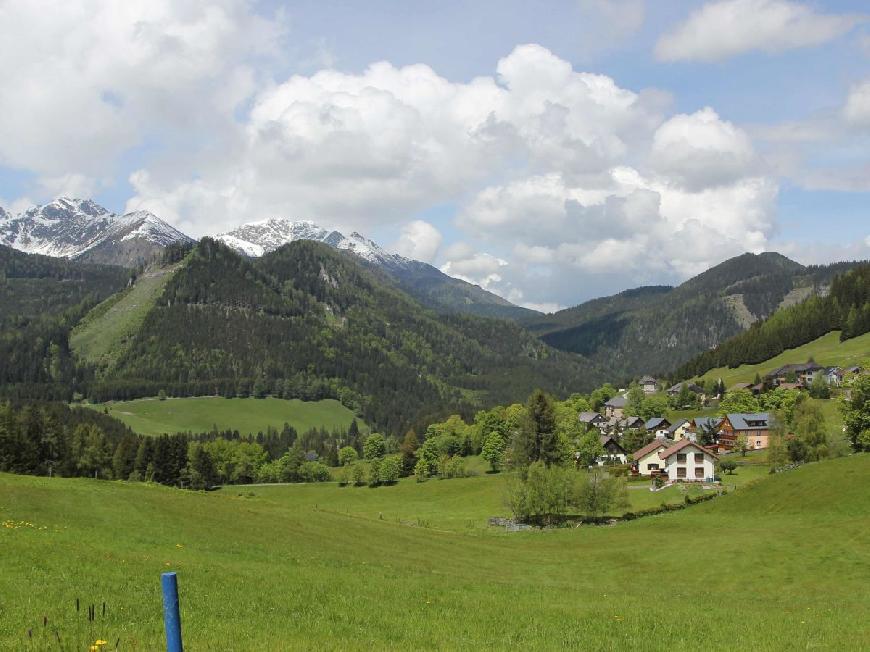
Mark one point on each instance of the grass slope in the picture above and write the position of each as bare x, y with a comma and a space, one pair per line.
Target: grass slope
784, 564
827, 350
150, 416
103, 334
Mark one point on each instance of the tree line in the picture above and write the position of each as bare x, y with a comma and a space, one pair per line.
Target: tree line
54, 439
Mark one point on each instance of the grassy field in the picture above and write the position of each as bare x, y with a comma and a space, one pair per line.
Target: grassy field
781, 565
150, 416
828, 350
101, 336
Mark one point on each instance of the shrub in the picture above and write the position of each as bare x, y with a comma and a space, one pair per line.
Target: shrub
358, 473
452, 467
544, 495
390, 469
314, 472
375, 472
347, 456
375, 447
728, 466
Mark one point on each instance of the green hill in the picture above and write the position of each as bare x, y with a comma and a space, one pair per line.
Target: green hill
655, 329
782, 564
310, 322
827, 350
247, 415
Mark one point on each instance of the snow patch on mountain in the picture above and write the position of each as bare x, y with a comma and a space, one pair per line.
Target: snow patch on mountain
68, 228
258, 238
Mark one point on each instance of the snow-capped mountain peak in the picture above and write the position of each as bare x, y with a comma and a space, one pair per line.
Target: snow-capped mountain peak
257, 238
71, 228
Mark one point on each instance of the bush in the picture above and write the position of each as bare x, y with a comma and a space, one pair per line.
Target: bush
358, 473
375, 447
544, 495
451, 467
347, 456
375, 472
390, 470
314, 472
728, 466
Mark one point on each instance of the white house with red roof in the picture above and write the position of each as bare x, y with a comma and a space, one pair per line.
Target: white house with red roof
688, 461
647, 460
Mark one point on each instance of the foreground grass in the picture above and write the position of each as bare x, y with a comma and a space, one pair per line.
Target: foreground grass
827, 350
150, 416
784, 564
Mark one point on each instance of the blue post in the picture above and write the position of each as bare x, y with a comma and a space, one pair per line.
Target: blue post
171, 614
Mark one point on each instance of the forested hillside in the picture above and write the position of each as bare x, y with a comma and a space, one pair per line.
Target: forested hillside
655, 329
845, 308
309, 322
41, 300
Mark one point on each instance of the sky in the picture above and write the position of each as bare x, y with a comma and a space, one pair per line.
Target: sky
550, 153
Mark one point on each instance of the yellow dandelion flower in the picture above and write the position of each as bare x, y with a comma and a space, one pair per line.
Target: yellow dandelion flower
100, 641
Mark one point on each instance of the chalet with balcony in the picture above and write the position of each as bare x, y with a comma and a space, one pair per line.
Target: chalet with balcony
754, 426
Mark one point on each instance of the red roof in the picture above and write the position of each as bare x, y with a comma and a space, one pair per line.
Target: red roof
658, 442
683, 443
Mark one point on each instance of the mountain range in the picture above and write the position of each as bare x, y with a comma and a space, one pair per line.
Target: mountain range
80, 229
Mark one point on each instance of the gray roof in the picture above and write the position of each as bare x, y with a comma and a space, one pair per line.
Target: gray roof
796, 368
707, 422
656, 422
647, 379
749, 420
589, 417
676, 425
617, 402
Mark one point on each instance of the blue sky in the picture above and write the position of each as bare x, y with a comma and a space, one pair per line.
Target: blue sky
542, 151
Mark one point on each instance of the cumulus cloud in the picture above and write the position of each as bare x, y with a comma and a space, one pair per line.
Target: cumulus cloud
418, 240
482, 269
84, 81
723, 29
701, 150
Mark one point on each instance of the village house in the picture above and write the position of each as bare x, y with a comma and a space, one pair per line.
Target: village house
675, 390
688, 461
658, 426
834, 376
613, 452
593, 419
679, 430
615, 407
698, 426
630, 423
648, 384
647, 460
804, 373
754, 426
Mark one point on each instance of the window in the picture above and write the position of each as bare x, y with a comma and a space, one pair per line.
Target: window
699, 458
681, 471
652, 467
681, 457
699, 472
758, 443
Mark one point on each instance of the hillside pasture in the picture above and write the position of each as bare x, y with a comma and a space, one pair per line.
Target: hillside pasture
151, 416
827, 350
781, 564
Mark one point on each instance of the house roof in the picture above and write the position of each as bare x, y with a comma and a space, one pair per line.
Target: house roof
589, 417
654, 445
647, 379
834, 370
685, 443
692, 387
796, 368
706, 422
617, 402
742, 420
607, 438
797, 385
737, 386
675, 426
657, 422
628, 422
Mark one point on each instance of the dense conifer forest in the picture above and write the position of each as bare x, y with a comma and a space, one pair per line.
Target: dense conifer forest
846, 308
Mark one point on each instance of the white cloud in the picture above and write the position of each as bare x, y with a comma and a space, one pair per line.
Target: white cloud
482, 269
84, 81
418, 240
727, 28
857, 108
700, 150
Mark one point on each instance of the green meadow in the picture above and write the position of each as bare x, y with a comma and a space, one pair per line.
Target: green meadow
782, 563
151, 416
827, 350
